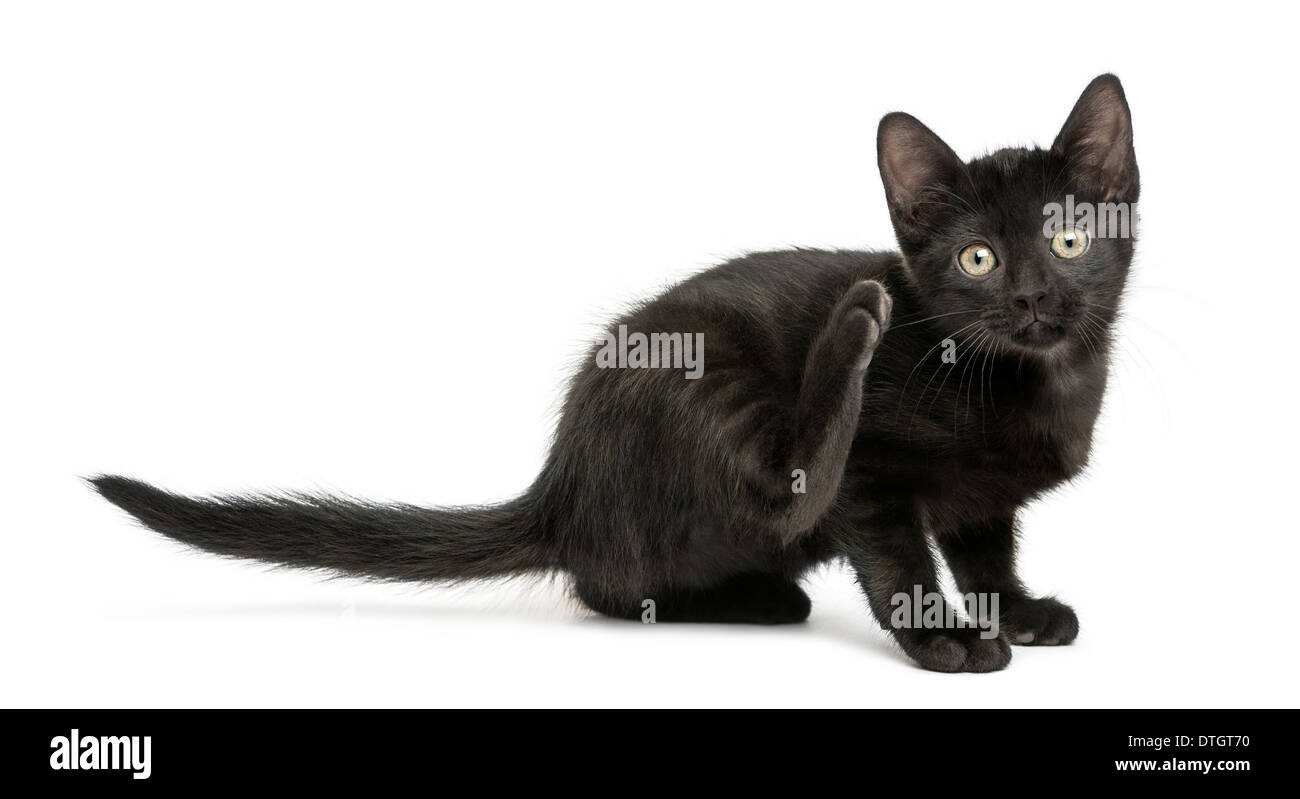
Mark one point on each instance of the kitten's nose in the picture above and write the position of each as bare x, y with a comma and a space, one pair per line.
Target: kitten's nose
1030, 301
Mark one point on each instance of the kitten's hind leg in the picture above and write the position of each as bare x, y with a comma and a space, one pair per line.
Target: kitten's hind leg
830, 402
752, 598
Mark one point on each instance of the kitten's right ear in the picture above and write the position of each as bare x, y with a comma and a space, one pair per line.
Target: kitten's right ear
918, 170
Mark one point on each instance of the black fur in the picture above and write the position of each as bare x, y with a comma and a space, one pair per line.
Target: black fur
675, 490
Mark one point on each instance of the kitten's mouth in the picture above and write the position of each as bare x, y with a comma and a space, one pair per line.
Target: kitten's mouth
1039, 334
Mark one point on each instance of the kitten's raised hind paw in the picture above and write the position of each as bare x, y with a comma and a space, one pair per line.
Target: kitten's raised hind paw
862, 317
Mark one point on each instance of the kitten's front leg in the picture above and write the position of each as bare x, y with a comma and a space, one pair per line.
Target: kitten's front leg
888, 551
982, 556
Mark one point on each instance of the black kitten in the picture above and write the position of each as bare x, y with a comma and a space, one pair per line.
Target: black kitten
814, 431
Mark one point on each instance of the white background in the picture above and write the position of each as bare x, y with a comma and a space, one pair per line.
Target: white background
358, 246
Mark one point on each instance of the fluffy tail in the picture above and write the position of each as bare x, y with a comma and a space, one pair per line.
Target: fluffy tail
391, 542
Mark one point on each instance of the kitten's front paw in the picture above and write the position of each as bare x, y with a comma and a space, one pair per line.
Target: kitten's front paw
1039, 622
862, 317
960, 649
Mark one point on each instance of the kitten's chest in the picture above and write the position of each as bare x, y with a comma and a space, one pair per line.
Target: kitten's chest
1032, 454
1041, 438
1036, 443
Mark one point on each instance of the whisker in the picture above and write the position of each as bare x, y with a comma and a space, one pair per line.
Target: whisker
931, 318
929, 382
984, 339
903, 392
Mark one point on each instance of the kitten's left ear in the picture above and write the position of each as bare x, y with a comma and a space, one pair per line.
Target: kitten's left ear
1097, 141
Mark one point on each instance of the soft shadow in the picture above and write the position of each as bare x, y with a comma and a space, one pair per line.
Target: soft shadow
537, 606
843, 628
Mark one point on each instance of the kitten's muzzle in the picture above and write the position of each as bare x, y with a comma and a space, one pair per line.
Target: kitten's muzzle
1039, 333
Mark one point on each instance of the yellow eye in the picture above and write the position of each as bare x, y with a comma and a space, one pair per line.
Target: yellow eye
1070, 243
977, 260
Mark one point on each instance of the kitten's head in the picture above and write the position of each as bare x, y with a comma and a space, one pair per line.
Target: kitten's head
1032, 246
